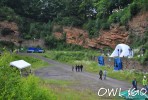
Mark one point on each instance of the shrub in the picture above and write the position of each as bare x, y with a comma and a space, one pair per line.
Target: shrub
69, 21
14, 87
105, 26
134, 9
144, 58
8, 14
91, 27
113, 18
126, 16
7, 44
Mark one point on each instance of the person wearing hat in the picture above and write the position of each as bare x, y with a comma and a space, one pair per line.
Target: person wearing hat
144, 82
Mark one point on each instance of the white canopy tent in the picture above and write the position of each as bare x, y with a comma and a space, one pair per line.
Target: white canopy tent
122, 50
20, 64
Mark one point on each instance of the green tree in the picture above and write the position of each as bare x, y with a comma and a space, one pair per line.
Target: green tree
87, 9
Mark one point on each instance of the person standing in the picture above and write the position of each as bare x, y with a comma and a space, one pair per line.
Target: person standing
104, 73
81, 67
144, 83
100, 73
134, 83
76, 67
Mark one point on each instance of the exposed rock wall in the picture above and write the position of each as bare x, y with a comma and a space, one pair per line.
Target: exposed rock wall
14, 36
107, 38
117, 34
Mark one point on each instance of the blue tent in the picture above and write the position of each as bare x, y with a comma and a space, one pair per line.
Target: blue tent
101, 60
117, 64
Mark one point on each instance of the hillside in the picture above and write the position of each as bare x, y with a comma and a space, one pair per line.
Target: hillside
119, 22
107, 38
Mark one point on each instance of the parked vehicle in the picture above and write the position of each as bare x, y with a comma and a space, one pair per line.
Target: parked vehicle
30, 50
39, 50
35, 50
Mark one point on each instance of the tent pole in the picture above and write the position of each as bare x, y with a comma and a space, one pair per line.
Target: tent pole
20, 73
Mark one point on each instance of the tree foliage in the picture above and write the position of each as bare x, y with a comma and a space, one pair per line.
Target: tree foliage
93, 15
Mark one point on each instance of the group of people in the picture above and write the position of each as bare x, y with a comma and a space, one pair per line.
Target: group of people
78, 68
102, 73
144, 83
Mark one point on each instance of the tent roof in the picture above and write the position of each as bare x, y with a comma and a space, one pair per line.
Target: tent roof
123, 51
20, 64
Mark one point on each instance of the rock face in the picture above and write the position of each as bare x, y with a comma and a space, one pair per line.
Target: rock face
10, 25
139, 24
117, 34
107, 38
14, 35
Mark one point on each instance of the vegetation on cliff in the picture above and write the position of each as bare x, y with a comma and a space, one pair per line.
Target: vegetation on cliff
36, 18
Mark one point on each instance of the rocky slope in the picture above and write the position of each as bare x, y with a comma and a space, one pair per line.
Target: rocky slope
14, 35
116, 34
12, 32
107, 38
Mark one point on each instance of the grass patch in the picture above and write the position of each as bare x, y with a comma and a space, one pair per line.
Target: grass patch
64, 91
58, 82
35, 63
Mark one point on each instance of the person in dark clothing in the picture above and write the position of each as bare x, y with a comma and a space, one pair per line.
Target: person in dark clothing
81, 68
101, 73
134, 83
76, 67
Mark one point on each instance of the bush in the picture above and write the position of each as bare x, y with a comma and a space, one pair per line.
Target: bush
8, 14
122, 16
138, 40
69, 21
15, 87
134, 9
144, 58
91, 27
126, 16
115, 17
7, 45
105, 26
